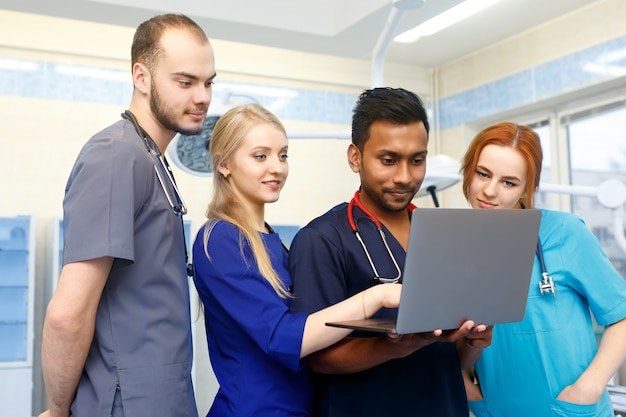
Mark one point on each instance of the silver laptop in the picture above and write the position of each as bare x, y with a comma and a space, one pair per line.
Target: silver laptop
462, 264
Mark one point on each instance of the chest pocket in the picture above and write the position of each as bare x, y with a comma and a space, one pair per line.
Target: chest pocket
541, 314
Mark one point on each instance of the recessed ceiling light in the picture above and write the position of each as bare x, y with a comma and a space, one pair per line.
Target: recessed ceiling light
448, 18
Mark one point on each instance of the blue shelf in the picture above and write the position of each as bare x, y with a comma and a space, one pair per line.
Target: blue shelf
13, 305
15, 281
13, 347
14, 267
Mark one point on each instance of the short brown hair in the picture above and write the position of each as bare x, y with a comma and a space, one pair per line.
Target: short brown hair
146, 47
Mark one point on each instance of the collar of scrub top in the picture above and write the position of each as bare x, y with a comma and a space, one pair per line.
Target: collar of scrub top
379, 226
271, 231
546, 285
176, 201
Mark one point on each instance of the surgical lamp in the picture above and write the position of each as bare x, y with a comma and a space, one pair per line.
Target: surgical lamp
610, 193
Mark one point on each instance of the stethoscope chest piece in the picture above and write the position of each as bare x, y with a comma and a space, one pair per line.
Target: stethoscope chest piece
546, 285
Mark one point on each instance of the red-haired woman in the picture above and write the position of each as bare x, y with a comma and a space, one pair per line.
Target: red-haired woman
548, 364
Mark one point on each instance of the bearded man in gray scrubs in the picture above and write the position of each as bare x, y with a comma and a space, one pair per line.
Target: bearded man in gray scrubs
117, 332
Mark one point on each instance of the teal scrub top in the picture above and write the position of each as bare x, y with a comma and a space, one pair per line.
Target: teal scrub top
530, 362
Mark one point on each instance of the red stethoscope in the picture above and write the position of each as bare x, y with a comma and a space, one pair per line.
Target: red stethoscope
357, 201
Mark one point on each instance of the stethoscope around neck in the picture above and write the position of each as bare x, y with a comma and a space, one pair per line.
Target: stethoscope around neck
176, 201
546, 284
158, 159
379, 226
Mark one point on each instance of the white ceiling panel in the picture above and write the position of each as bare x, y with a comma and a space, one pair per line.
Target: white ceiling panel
347, 28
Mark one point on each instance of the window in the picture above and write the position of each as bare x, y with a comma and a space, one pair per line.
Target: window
542, 128
585, 147
596, 140
596, 143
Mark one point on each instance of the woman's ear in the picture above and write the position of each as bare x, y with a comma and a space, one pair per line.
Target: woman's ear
223, 169
522, 201
354, 158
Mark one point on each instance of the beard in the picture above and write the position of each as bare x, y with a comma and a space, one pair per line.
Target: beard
384, 200
166, 116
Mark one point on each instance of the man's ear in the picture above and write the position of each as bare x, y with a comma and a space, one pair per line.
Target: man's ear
354, 158
141, 78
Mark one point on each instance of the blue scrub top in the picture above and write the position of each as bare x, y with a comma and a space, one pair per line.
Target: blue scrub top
530, 362
254, 342
329, 265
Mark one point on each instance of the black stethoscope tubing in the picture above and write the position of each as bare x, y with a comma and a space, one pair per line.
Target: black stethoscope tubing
177, 204
179, 208
546, 285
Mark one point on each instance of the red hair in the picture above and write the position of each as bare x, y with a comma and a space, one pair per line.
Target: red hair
521, 138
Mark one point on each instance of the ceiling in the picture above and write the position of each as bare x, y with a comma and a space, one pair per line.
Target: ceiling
346, 28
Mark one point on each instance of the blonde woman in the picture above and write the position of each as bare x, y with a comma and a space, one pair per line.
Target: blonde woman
241, 272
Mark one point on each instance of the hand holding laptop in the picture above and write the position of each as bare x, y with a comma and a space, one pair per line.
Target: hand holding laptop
476, 336
462, 264
479, 337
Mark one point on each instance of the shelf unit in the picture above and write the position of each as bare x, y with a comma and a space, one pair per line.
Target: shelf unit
17, 278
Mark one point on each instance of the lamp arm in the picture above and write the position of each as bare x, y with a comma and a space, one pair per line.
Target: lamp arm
398, 8
583, 190
380, 49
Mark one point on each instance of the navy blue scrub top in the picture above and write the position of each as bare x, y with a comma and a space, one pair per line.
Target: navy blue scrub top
328, 265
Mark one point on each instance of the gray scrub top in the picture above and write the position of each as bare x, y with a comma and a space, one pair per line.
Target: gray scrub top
115, 206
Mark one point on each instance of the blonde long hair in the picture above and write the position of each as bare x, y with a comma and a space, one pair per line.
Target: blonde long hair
230, 131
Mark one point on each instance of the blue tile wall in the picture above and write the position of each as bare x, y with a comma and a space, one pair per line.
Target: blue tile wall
593, 65
110, 86
65, 82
